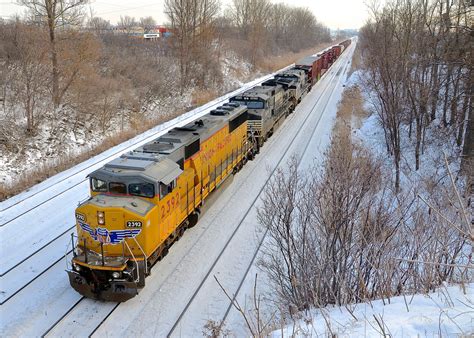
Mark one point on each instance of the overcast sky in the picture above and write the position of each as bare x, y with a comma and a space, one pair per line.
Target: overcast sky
333, 13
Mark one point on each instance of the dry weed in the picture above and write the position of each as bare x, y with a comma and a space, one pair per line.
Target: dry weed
203, 96
350, 113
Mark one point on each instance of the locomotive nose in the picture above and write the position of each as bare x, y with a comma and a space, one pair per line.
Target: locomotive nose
112, 291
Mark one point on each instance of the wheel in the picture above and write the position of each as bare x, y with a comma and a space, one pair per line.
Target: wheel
193, 219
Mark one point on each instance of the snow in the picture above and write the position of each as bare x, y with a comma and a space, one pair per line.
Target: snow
448, 312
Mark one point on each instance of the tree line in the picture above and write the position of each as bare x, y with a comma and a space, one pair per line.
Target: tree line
254, 28
418, 62
57, 62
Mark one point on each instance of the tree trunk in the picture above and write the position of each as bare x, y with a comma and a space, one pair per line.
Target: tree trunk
463, 120
454, 118
446, 96
419, 130
435, 90
396, 152
51, 11
467, 159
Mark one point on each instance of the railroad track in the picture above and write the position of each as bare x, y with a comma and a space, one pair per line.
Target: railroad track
261, 240
63, 320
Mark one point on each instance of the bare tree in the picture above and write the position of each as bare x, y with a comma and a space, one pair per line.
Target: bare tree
338, 235
99, 25
30, 83
127, 24
251, 18
385, 75
147, 23
424, 73
55, 14
268, 27
192, 22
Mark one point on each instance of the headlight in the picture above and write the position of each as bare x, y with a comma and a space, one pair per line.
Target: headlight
116, 274
76, 266
101, 217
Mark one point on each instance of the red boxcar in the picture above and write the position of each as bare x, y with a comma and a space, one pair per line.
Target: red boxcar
325, 61
345, 43
337, 50
310, 65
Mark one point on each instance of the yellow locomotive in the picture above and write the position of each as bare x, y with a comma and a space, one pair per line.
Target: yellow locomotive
143, 201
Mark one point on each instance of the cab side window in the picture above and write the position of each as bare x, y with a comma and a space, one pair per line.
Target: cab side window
142, 189
165, 189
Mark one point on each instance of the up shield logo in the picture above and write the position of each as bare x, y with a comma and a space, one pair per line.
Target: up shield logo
105, 236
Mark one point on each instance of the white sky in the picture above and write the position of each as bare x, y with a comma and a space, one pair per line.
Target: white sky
333, 13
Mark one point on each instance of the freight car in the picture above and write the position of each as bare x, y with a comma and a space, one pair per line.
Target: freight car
143, 201
311, 65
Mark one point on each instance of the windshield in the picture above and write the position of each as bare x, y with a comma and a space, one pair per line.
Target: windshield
117, 188
142, 189
98, 185
252, 104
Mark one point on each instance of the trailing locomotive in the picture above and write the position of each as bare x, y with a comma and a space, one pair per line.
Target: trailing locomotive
143, 201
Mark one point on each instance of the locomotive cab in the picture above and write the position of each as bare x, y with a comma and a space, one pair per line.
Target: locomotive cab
131, 206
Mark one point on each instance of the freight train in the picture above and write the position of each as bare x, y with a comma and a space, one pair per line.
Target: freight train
143, 201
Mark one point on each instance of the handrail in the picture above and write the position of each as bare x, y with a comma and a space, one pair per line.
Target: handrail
67, 252
144, 255
133, 256
73, 250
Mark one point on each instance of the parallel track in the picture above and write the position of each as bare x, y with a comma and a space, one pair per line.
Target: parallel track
63, 316
45, 246
196, 292
236, 293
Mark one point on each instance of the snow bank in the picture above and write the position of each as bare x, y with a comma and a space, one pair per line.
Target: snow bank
447, 312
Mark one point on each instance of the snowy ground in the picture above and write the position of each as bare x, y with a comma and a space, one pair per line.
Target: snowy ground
448, 312
36, 293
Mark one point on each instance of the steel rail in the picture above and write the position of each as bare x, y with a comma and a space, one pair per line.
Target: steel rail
236, 293
249, 209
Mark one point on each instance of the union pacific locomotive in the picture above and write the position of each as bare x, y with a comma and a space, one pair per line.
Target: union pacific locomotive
143, 201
